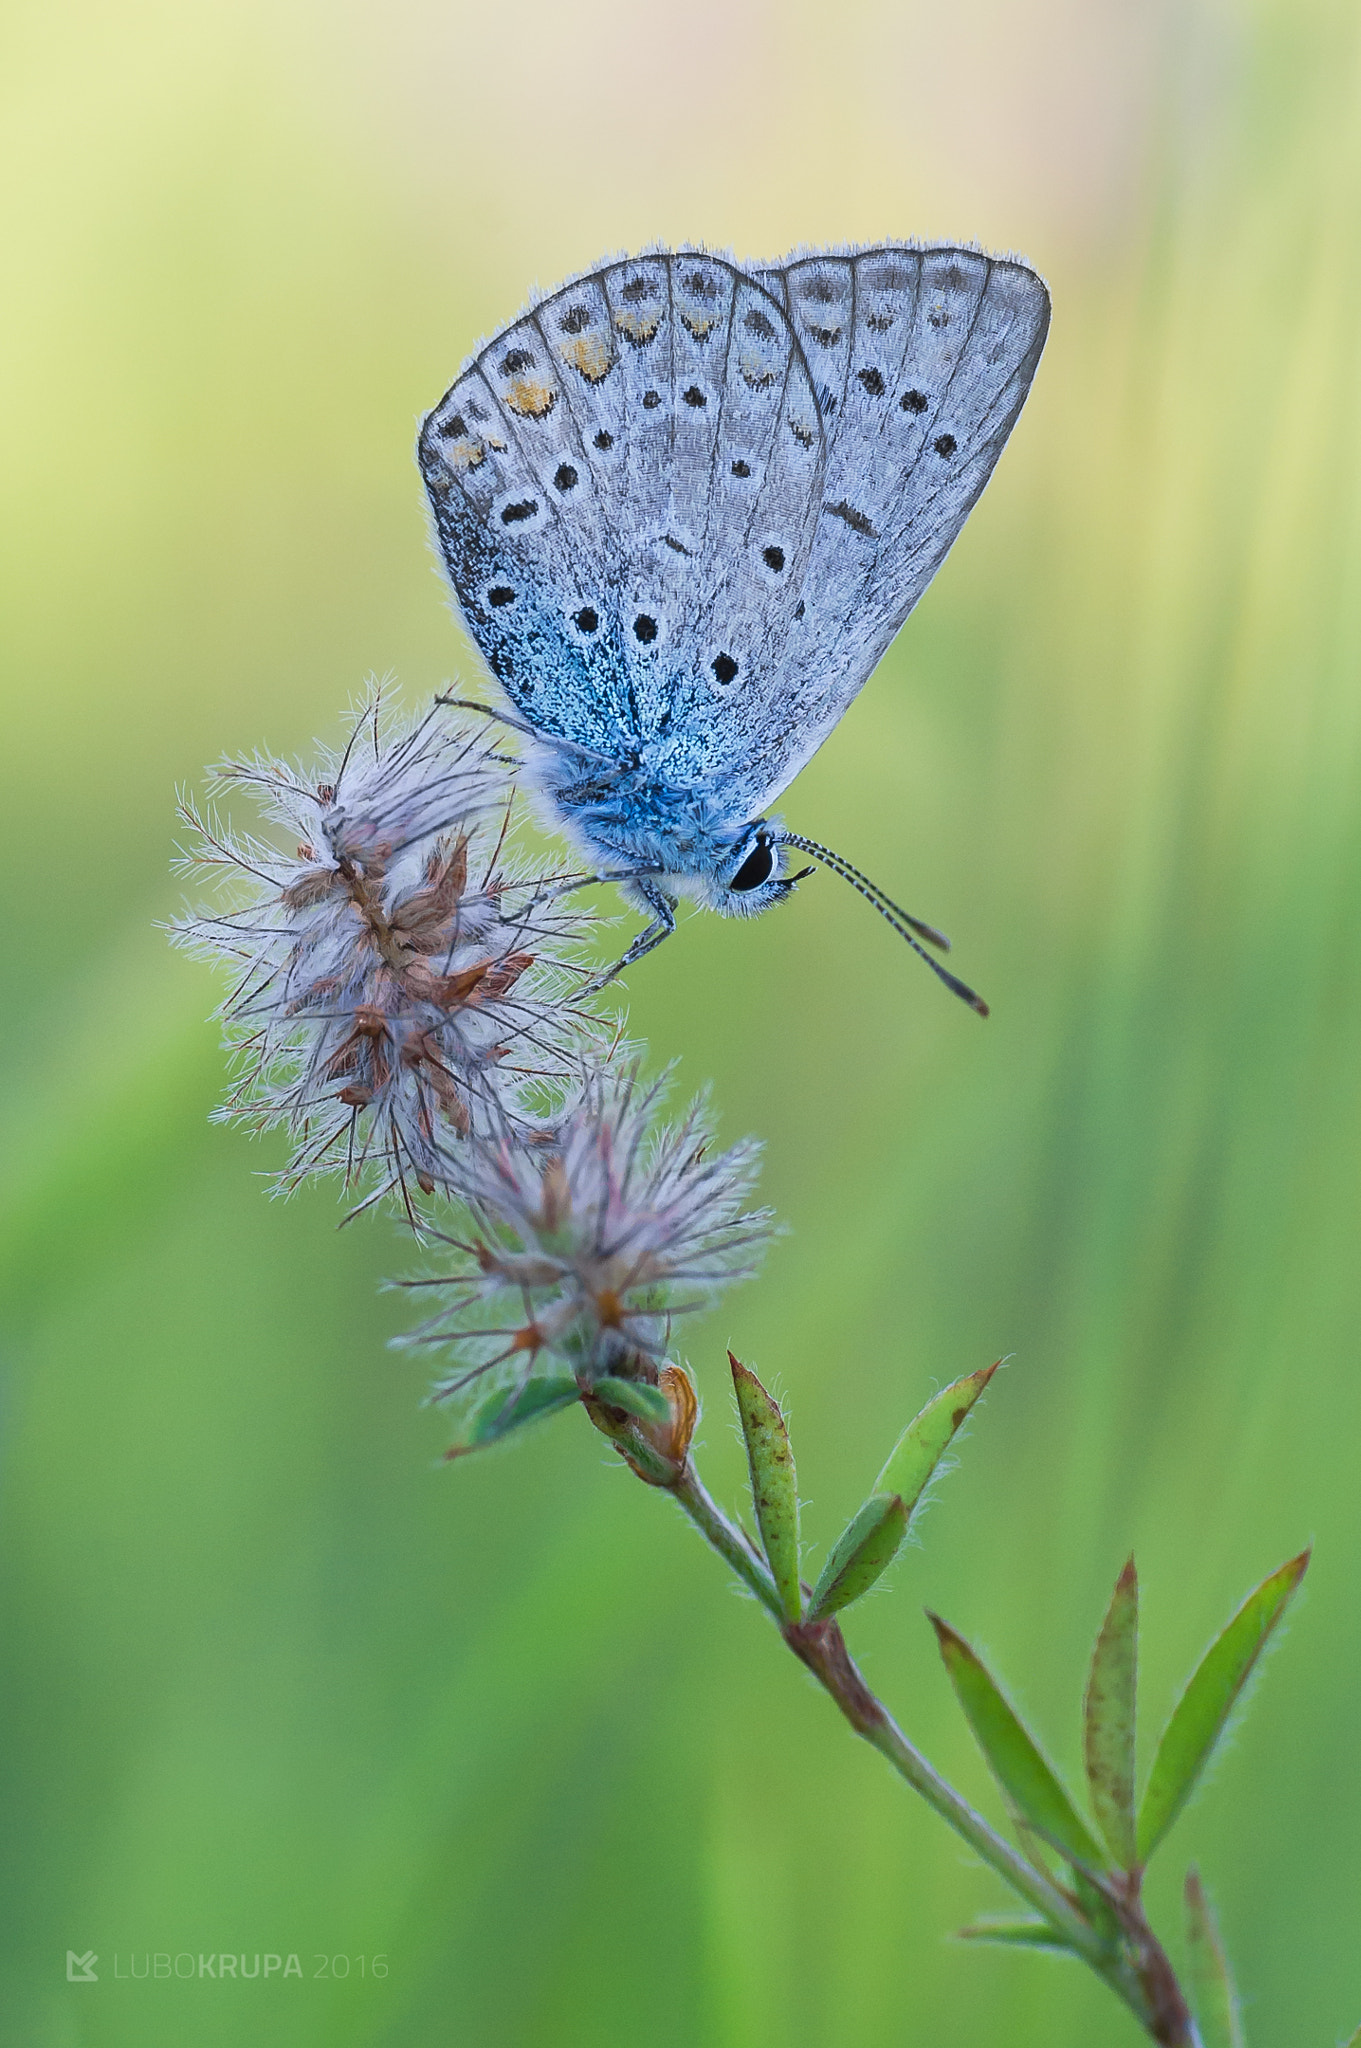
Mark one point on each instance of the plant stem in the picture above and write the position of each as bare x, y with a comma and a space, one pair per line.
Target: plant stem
1147, 1987
730, 1541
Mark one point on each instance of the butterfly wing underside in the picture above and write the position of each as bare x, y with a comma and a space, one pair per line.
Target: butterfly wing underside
627, 487
922, 359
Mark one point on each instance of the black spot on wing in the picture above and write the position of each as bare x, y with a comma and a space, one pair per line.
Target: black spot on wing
858, 521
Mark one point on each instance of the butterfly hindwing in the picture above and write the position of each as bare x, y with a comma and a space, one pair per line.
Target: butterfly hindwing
627, 485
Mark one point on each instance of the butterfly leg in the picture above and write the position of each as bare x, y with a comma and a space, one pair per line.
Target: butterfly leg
663, 908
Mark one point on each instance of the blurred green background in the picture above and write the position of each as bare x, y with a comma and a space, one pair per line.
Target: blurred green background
275, 1680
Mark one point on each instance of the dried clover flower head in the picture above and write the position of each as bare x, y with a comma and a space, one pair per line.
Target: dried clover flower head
397, 986
590, 1240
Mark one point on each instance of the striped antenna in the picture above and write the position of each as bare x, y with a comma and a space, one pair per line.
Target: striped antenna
907, 927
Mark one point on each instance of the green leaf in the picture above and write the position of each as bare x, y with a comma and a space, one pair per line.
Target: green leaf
1027, 1780
1108, 1720
635, 1397
870, 1542
1209, 1980
1198, 1719
510, 1408
1033, 1934
925, 1441
773, 1489
865, 1549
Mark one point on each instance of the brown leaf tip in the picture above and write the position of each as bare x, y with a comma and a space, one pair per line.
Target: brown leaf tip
947, 1638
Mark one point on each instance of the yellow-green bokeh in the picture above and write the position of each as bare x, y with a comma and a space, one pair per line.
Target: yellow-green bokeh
277, 1682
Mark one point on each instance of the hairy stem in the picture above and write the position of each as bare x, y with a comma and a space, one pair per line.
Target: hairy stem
1143, 1979
730, 1541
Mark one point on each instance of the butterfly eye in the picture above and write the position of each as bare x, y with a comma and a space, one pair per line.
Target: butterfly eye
758, 867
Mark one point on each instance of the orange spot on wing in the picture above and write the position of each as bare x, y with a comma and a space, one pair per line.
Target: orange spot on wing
756, 370
531, 399
639, 327
588, 353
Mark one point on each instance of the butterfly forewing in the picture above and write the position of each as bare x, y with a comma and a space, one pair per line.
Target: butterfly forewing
922, 359
968, 428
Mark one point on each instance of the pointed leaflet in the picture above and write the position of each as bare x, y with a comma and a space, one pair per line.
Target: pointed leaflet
865, 1549
635, 1397
1028, 1781
1213, 1998
1034, 1934
871, 1540
1108, 1720
1200, 1714
510, 1408
773, 1490
924, 1442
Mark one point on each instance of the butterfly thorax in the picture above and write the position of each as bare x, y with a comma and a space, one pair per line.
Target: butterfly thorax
630, 820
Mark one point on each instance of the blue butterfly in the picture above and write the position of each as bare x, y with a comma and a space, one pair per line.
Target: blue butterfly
685, 507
